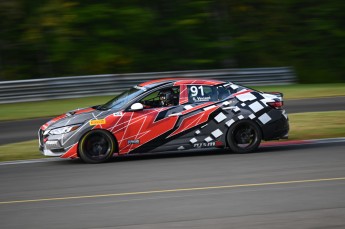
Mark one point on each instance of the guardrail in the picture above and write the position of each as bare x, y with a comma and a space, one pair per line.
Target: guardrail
82, 86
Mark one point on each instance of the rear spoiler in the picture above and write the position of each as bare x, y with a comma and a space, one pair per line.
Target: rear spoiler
279, 94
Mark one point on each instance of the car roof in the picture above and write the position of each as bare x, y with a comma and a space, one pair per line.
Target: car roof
181, 81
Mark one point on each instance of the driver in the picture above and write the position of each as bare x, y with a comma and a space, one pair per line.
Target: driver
167, 97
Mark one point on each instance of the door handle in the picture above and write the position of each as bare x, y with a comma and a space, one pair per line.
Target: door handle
175, 114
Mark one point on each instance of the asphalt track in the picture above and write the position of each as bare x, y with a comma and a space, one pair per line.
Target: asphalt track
27, 129
277, 187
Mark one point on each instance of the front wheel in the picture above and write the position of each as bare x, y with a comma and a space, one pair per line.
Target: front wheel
244, 136
97, 146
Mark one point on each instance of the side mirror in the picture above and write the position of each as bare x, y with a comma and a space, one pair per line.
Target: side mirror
137, 107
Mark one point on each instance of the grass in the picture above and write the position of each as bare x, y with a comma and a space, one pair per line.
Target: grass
29, 110
50, 108
311, 125
299, 91
314, 125
20, 151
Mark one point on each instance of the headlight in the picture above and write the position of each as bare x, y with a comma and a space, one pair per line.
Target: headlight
63, 130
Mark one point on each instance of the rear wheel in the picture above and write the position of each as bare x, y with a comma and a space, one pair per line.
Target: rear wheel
244, 136
96, 146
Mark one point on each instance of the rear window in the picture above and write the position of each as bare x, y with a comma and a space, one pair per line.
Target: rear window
234, 88
223, 92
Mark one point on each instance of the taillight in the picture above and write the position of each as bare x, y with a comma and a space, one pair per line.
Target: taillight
276, 104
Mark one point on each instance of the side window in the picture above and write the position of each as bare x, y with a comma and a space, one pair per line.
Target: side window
201, 93
162, 98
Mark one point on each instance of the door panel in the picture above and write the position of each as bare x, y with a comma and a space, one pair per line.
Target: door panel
142, 127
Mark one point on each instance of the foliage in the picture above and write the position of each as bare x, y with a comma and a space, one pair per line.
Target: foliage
48, 38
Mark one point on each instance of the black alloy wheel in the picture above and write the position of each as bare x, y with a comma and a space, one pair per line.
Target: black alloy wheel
96, 146
244, 136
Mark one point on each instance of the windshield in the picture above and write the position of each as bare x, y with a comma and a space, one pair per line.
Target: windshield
121, 99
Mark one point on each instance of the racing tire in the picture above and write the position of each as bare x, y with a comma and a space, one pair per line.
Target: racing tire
244, 136
96, 146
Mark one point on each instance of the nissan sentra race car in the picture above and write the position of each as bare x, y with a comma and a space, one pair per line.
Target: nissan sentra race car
168, 115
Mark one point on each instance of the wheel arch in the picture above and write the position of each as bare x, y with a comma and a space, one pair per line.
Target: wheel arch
236, 122
116, 144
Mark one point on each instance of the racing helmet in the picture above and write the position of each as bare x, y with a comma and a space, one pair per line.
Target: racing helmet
166, 97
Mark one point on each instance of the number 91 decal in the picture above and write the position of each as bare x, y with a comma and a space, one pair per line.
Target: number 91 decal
197, 94
195, 90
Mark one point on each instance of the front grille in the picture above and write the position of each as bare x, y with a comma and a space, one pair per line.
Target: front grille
52, 144
61, 150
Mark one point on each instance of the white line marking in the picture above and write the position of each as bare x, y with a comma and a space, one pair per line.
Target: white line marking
231, 186
31, 161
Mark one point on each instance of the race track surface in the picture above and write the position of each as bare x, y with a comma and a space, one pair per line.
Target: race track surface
277, 187
27, 129
317, 104
20, 130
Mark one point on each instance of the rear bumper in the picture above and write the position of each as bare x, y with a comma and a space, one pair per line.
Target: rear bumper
278, 129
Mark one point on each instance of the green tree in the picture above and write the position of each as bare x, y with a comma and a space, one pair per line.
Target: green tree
45, 38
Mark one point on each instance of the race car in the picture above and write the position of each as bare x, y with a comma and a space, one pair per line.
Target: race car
168, 115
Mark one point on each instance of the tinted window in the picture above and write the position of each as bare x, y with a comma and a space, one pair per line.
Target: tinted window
162, 98
122, 99
223, 92
234, 88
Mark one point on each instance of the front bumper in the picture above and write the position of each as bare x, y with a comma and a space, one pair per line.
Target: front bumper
51, 147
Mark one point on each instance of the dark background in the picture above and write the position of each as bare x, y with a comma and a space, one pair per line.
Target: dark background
49, 38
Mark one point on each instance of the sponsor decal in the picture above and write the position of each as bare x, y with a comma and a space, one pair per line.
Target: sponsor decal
204, 126
135, 141
118, 113
97, 122
202, 99
204, 144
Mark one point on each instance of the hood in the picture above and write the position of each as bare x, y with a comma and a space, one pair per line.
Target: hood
75, 117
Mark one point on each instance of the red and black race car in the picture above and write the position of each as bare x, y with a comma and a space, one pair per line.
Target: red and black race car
168, 114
